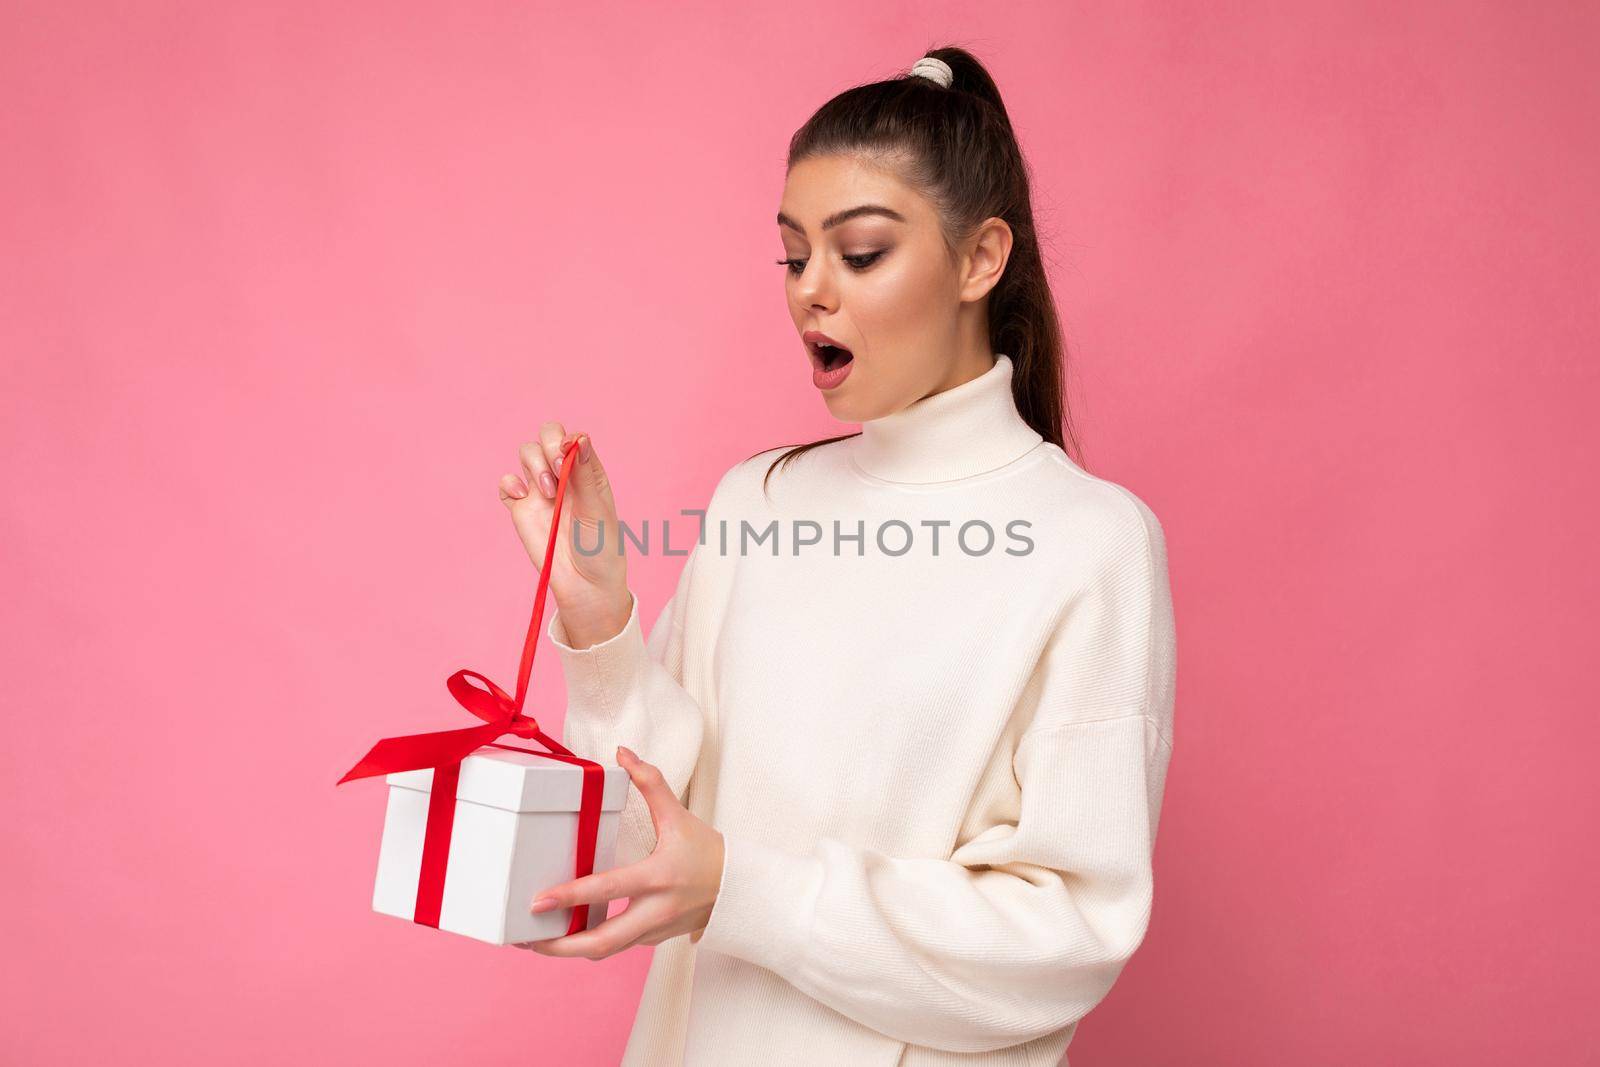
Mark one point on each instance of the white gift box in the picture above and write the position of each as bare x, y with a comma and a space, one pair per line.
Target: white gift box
515, 834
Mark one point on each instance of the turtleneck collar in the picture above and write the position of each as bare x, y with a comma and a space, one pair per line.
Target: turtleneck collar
958, 433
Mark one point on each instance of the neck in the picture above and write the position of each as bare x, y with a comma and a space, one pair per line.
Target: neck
966, 430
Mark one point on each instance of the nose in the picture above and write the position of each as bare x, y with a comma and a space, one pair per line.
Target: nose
814, 289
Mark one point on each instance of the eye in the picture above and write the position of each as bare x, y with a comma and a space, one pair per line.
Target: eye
869, 259
860, 262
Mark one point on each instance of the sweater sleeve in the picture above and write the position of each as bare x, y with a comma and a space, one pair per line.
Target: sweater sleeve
1025, 927
627, 690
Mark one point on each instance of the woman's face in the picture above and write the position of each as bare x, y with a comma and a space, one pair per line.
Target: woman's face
867, 266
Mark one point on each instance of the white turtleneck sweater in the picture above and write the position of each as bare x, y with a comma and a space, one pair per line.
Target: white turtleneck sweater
937, 760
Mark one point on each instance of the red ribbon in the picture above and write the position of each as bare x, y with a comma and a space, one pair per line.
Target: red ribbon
502, 714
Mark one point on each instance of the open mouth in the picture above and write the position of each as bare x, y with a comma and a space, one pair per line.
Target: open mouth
829, 357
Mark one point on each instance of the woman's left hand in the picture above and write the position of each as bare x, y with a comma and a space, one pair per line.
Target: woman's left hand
671, 891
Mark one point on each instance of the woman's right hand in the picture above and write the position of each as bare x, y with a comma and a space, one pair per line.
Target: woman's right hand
590, 591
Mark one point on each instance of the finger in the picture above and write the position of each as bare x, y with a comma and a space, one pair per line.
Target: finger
619, 932
663, 802
536, 469
605, 885
551, 434
511, 488
591, 486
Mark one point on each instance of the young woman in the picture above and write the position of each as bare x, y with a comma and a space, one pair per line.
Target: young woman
908, 713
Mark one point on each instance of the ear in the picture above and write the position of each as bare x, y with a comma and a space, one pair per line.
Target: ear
988, 251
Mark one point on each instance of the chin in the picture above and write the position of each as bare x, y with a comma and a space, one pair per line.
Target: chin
848, 408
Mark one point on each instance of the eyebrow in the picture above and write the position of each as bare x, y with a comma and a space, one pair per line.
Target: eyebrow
843, 216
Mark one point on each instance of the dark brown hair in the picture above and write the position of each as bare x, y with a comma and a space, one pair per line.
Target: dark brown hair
957, 147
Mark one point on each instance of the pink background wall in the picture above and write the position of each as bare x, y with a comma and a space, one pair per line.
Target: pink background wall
282, 291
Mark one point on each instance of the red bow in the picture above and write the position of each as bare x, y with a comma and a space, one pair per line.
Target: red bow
502, 714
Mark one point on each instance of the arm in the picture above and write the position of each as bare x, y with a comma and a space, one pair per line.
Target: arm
1029, 922
626, 690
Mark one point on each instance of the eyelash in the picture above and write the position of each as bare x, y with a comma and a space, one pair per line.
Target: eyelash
870, 257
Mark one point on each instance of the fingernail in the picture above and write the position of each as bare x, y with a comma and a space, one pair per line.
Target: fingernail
516, 492
585, 449
547, 482
629, 751
543, 904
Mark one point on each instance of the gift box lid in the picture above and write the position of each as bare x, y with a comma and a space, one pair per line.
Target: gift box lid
520, 781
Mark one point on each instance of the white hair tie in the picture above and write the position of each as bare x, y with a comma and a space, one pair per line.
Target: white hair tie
934, 69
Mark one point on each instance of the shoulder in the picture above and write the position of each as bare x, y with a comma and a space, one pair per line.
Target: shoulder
742, 482
747, 474
1111, 524
746, 489
737, 490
